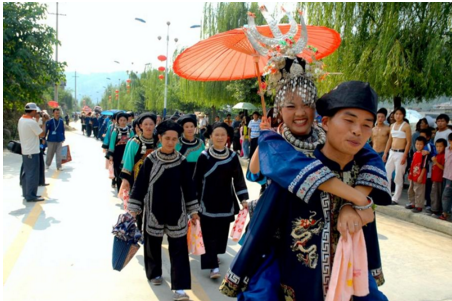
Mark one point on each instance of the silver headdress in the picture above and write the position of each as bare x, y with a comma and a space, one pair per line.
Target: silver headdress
285, 71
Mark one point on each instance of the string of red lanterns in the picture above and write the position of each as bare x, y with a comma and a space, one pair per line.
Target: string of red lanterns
161, 58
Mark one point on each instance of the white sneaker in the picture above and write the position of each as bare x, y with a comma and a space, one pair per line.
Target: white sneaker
61, 168
47, 167
180, 295
215, 273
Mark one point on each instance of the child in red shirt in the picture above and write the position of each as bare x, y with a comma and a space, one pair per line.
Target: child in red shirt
437, 177
417, 177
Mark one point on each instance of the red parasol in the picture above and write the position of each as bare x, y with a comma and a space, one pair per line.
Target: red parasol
230, 55
53, 104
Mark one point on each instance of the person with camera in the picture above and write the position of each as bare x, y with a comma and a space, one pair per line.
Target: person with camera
29, 134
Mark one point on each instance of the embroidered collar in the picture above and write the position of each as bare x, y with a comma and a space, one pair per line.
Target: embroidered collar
187, 142
146, 140
168, 158
219, 154
304, 143
334, 166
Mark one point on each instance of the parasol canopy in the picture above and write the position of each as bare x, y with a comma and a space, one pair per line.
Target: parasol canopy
245, 106
107, 113
230, 55
53, 104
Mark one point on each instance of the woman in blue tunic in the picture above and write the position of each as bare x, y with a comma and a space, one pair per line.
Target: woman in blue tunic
118, 140
219, 182
188, 145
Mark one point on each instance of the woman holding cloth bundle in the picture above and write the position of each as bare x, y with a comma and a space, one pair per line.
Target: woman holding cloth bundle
164, 187
219, 182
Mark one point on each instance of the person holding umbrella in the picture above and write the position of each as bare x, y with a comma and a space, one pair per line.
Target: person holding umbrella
164, 187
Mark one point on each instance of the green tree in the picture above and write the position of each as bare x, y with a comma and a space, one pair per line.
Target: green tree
403, 49
28, 67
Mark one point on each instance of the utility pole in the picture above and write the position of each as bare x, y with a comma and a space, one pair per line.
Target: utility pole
56, 47
75, 78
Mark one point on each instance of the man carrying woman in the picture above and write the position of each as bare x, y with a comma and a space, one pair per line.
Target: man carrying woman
306, 233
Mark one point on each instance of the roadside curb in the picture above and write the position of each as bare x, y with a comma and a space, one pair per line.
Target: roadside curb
416, 218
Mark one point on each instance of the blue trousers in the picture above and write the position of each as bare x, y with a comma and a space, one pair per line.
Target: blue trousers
30, 176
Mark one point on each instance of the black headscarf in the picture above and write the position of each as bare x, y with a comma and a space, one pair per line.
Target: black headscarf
229, 130
187, 118
143, 116
169, 125
122, 114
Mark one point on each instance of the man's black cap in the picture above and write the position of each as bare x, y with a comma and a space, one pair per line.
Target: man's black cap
352, 94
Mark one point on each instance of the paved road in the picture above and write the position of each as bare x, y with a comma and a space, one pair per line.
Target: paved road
60, 249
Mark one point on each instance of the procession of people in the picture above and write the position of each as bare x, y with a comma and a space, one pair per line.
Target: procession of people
320, 182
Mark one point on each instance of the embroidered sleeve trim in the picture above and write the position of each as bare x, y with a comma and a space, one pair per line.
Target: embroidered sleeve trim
134, 206
303, 174
312, 182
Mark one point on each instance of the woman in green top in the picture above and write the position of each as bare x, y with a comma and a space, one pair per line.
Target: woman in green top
188, 145
119, 138
137, 149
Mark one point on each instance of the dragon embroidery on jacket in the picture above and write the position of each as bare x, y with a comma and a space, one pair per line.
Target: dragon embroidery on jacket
302, 232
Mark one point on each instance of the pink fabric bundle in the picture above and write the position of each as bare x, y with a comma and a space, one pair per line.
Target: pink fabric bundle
350, 274
194, 239
111, 173
125, 198
239, 225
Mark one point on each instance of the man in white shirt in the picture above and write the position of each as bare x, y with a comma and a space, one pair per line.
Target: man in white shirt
442, 132
29, 133
254, 126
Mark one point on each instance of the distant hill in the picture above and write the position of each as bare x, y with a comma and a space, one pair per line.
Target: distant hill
90, 84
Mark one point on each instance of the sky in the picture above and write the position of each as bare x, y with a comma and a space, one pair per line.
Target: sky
95, 34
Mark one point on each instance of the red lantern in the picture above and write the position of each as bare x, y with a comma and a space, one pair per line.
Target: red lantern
128, 81
117, 91
161, 76
161, 69
162, 58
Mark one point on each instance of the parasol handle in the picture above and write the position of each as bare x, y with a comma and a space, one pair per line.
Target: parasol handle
256, 62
